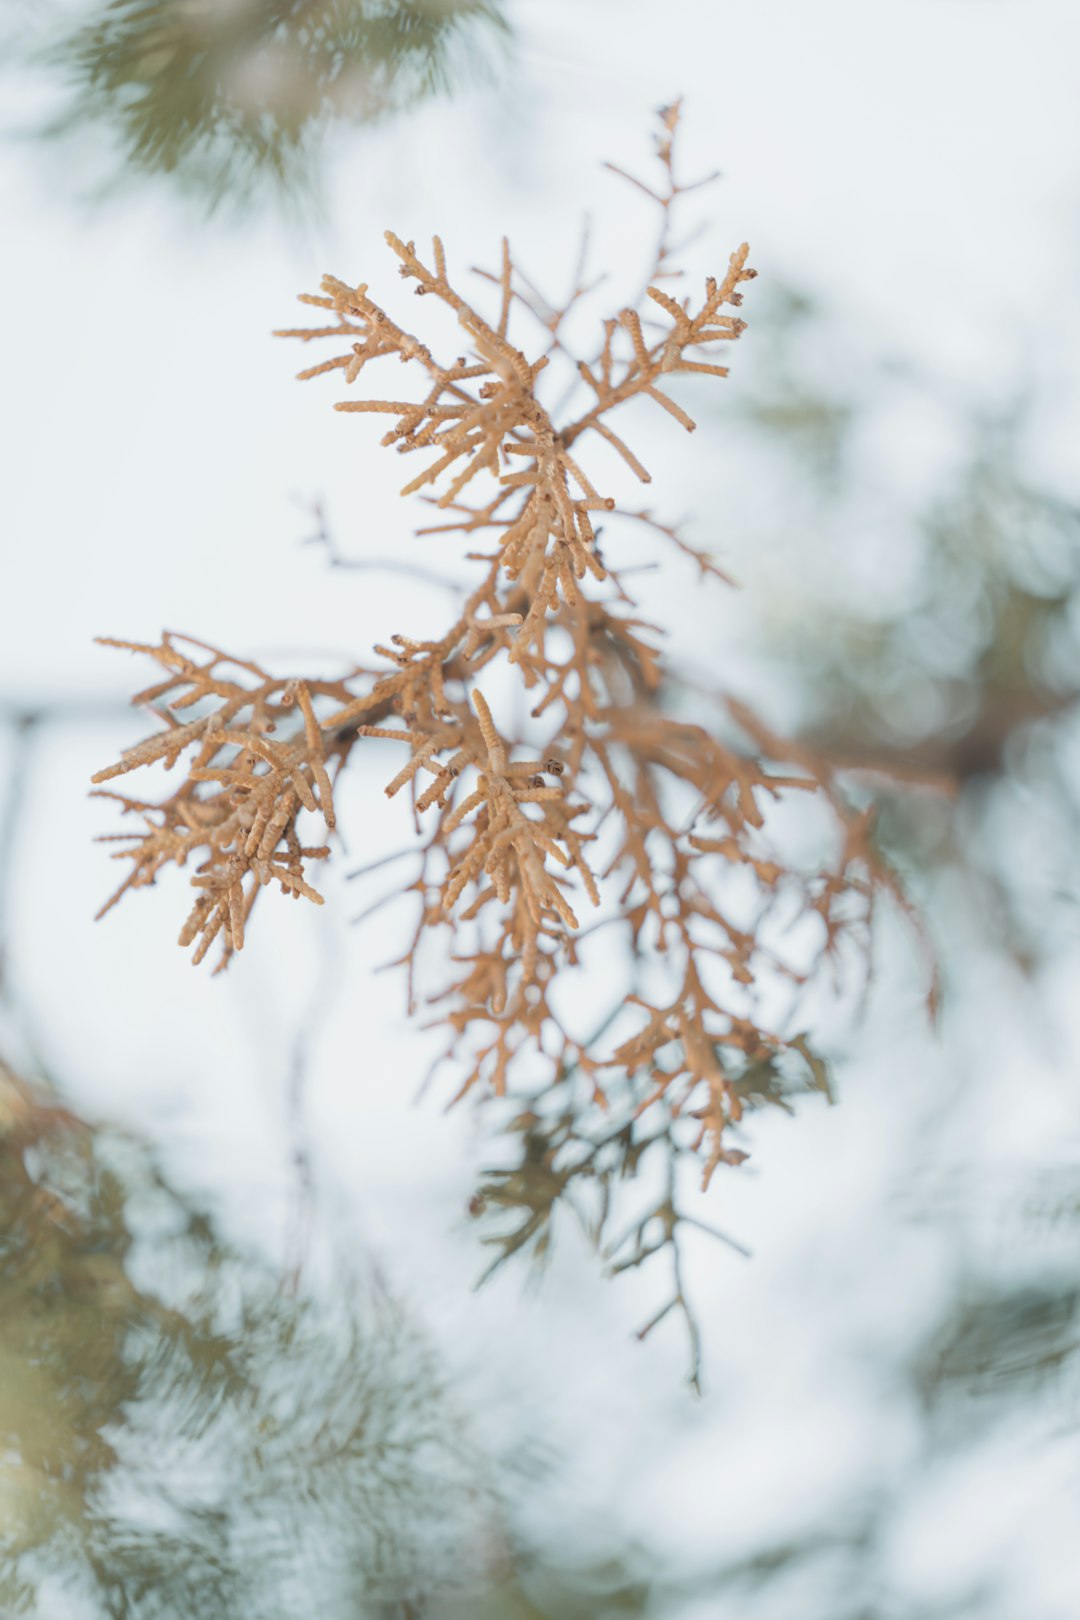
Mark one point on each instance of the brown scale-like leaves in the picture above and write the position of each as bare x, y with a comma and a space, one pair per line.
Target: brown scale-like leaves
605, 802
251, 766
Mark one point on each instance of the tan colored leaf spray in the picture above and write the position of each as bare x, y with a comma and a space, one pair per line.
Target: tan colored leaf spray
607, 802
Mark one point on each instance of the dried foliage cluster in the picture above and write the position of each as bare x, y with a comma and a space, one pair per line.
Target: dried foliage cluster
609, 798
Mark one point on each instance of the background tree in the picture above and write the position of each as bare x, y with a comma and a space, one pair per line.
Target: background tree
232, 100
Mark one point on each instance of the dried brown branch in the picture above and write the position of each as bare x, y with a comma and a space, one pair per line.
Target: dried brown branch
606, 799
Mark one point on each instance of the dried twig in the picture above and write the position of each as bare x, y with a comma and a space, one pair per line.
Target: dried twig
587, 805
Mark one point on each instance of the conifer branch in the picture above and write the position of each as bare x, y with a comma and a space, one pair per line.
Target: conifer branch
606, 799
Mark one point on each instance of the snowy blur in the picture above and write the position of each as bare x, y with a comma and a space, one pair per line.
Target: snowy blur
243, 1365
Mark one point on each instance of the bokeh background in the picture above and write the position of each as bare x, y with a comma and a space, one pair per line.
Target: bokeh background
890, 1424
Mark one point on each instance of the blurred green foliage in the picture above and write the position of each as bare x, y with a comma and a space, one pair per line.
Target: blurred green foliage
227, 96
950, 682
186, 1432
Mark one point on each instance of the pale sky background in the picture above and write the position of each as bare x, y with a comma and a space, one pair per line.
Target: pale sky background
915, 164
